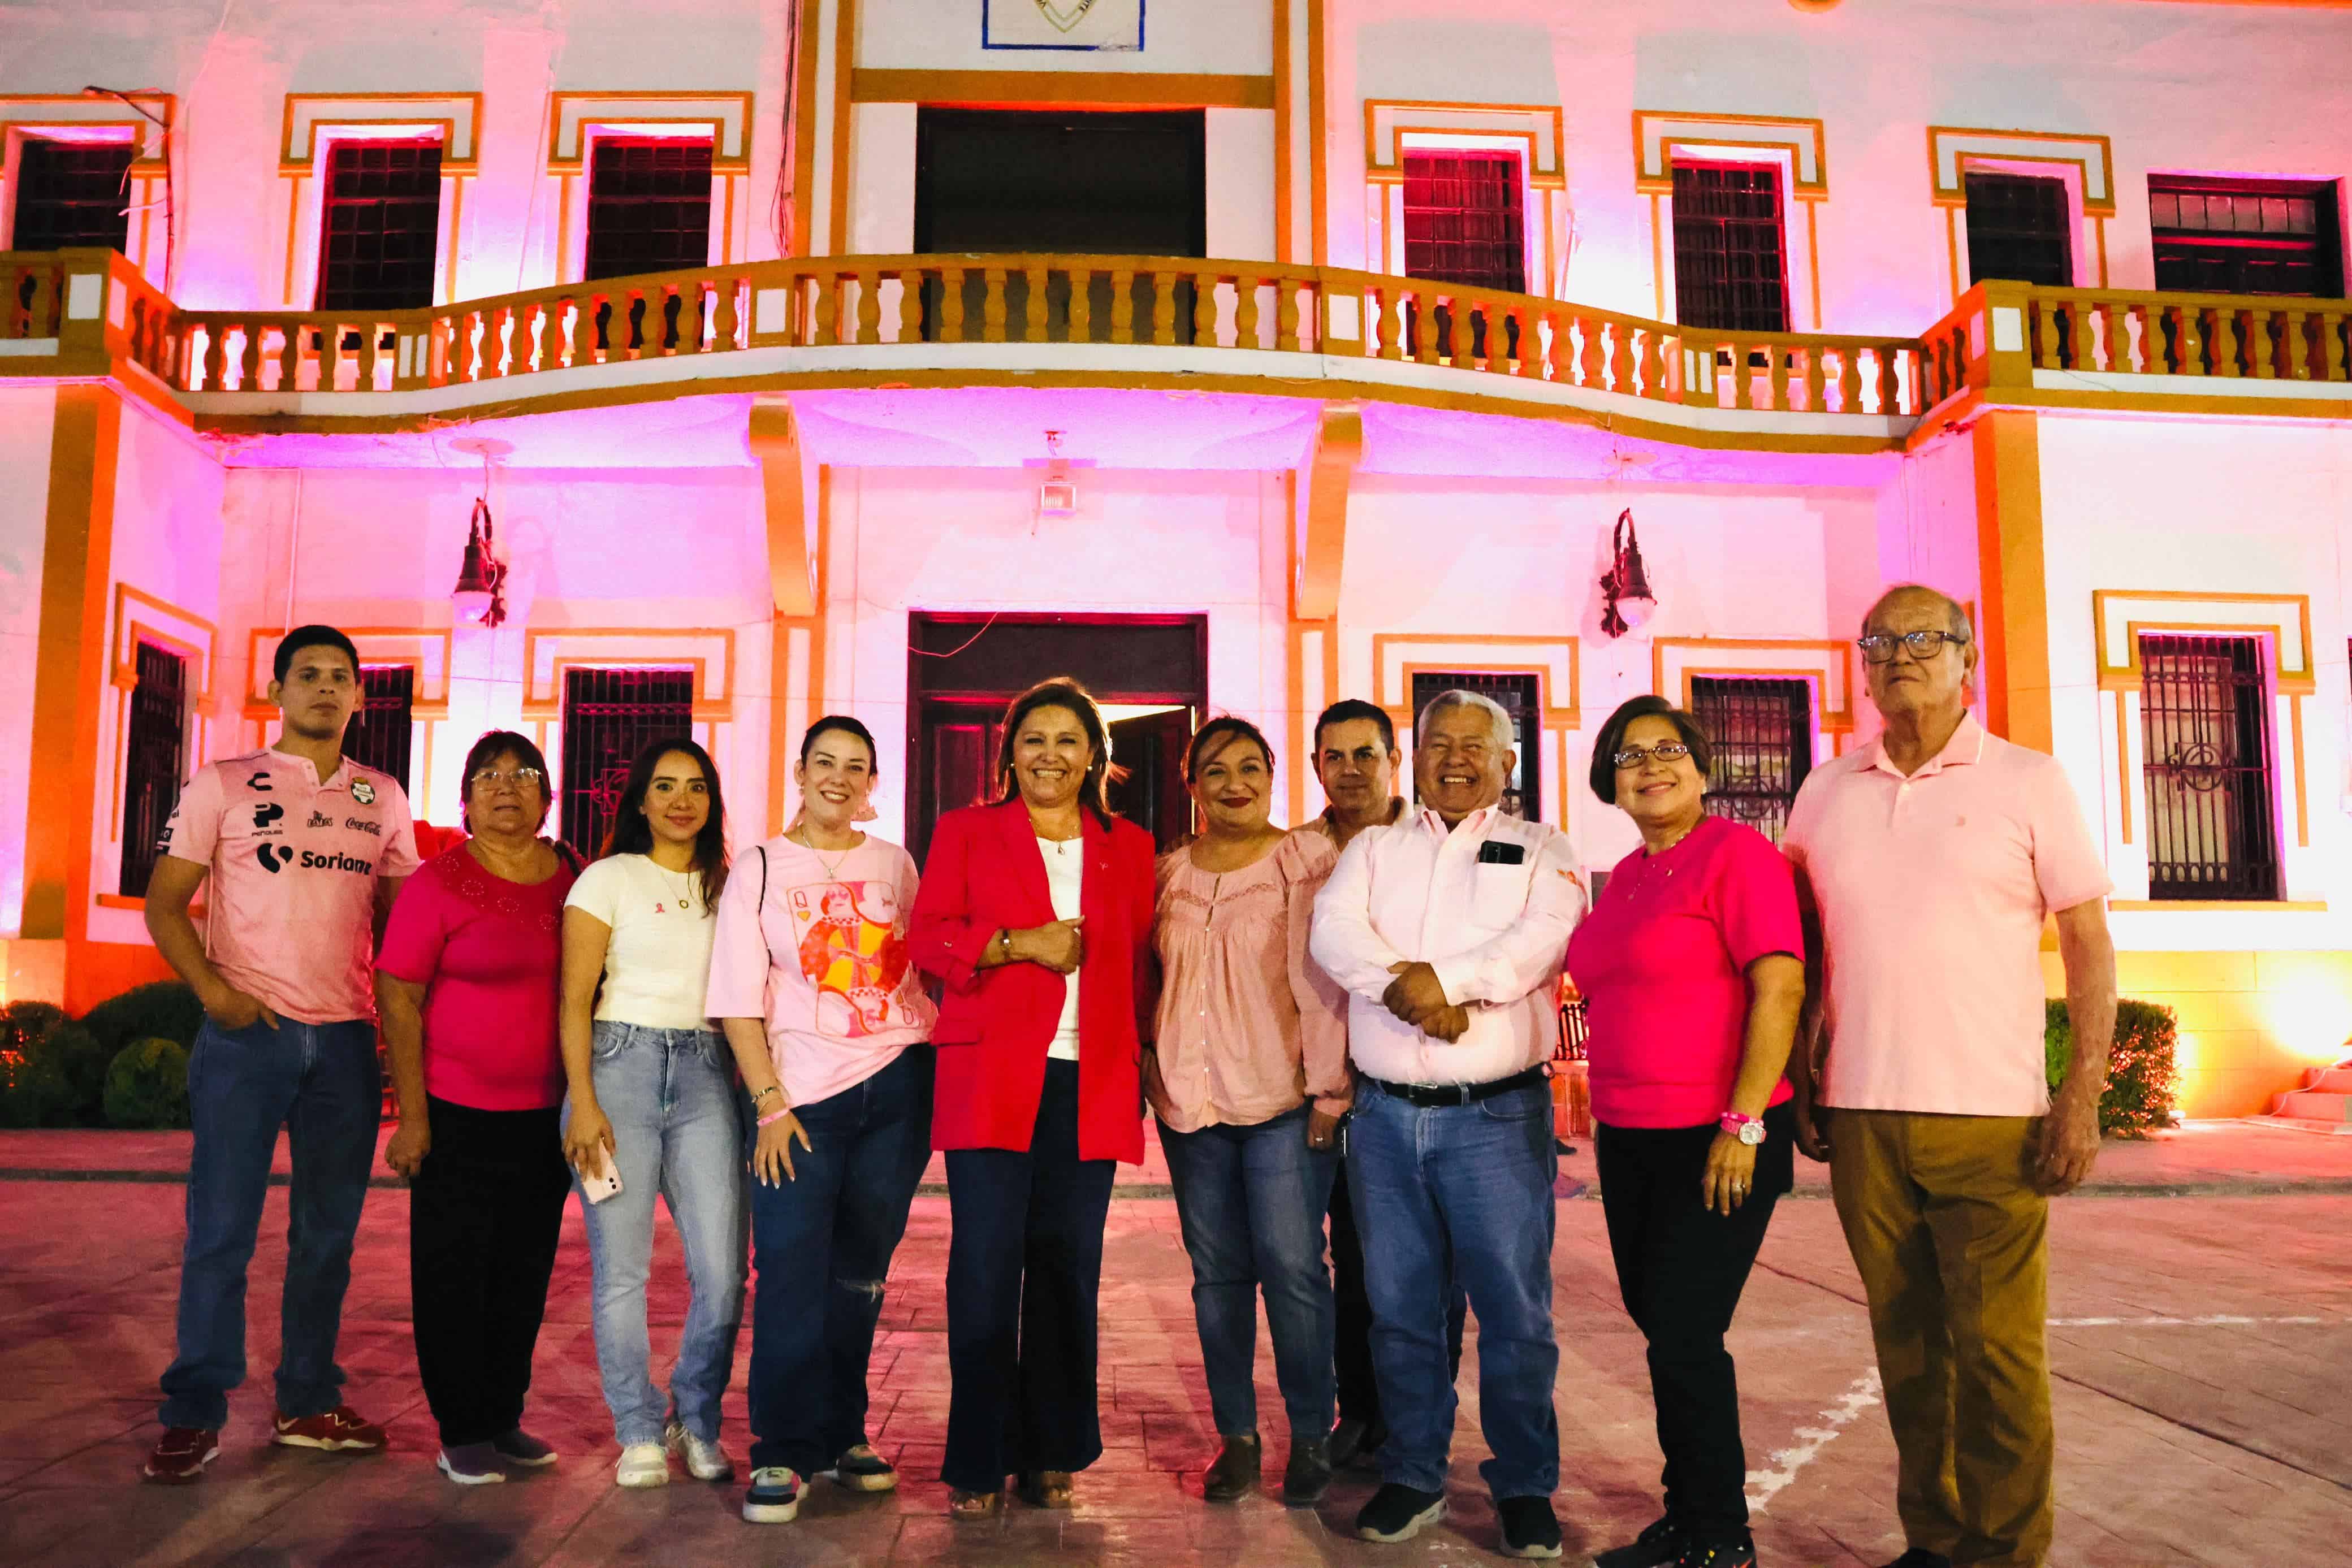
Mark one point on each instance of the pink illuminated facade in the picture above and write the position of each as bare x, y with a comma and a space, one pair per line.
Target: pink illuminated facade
1341, 331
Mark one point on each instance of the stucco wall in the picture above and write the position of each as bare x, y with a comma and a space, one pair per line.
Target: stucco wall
27, 418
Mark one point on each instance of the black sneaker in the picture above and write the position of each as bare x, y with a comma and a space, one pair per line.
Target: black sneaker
1308, 1475
1529, 1527
1660, 1546
1919, 1557
1398, 1512
1364, 1452
1739, 1553
1347, 1438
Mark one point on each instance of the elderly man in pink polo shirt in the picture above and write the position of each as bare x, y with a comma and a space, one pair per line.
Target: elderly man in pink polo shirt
1930, 857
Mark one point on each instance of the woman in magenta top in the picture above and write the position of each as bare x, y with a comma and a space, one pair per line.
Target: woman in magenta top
467, 990
1692, 969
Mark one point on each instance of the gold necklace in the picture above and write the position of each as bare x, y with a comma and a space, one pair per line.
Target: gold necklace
684, 879
832, 872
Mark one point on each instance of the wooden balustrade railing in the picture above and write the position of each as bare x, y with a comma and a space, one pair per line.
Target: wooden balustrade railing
2001, 333
1168, 302
1997, 337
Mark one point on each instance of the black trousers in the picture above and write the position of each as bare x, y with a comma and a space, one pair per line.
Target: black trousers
1024, 1268
1681, 1266
483, 1214
1359, 1390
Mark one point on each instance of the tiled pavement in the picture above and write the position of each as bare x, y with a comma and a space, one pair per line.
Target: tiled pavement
2182, 1441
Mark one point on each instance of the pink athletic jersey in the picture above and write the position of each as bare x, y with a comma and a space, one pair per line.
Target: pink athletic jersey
293, 867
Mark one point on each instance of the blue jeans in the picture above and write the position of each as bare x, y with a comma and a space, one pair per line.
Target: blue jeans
321, 1083
1472, 1184
670, 1096
1251, 1202
821, 1242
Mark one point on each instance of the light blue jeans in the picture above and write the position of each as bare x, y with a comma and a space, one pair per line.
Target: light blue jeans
676, 1131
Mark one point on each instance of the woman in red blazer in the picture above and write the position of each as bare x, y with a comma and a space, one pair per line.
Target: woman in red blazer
1035, 916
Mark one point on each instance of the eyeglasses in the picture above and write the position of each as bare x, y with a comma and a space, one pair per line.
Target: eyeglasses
1668, 751
1878, 648
489, 779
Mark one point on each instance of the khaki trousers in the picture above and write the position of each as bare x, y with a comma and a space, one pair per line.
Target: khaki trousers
1951, 1240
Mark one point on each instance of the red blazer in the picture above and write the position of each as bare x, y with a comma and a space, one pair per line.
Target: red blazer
983, 874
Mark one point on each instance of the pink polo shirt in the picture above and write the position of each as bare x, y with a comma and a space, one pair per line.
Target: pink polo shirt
1933, 890
292, 865
1661, 963
822, 958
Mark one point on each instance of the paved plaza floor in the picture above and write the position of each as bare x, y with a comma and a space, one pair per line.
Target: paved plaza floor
2202, 1347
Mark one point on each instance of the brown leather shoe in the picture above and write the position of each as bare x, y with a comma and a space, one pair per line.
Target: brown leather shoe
1235, 1473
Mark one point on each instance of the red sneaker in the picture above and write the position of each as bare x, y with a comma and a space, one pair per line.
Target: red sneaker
339, 1429
182, 1454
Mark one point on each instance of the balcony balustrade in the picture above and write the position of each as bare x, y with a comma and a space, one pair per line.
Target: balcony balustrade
845, 318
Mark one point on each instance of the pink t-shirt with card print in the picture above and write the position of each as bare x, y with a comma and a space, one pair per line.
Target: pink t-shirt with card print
823, 959
1661, 962
1933, 889
293, 868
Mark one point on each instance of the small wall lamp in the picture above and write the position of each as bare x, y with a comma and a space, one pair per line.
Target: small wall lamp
1626, 600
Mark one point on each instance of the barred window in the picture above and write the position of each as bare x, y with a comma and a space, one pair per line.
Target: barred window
648, 206
609, 716
156, 747
2019, 228
2245, 236
381, 733
1465, 219
71, 194
2212, 827
380, 223
1762, 733
1731, 258
1523, 792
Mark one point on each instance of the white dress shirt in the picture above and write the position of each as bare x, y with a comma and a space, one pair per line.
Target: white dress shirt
1495, 933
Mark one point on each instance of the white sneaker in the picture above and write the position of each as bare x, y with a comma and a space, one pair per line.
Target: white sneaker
705, 1462
643, 1464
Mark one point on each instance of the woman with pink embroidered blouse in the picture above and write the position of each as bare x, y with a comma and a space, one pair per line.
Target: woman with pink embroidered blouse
1249, 1077
1692, 969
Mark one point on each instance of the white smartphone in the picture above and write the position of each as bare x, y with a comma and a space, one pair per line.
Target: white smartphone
604, 1184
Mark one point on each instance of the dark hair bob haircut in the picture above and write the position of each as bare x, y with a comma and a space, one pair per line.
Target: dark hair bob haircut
1061, 692
631, 834
1612, 736
500, 743
845, 724
1211, 737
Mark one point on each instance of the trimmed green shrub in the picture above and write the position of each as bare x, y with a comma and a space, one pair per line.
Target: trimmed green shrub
165, 1009
147, 1085
83, 1060
34, 1091
2142, 1075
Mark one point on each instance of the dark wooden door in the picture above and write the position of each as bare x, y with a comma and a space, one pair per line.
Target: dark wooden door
1151, 746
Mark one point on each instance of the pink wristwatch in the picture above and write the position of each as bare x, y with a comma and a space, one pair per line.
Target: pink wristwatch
1748, 1130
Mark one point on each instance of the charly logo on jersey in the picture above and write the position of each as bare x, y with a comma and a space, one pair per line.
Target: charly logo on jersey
363, 791
259, 782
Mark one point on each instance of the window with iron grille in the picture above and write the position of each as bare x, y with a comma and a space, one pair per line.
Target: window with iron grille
2212, 825
1762, 733
379, 732
380, 223
2020, 227
155, 748
1731, 257
2245, 236
71, 194
1523, 792
648, 206
1465, 219
609, 716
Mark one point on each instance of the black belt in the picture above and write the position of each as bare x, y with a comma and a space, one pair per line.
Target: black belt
1433, 1094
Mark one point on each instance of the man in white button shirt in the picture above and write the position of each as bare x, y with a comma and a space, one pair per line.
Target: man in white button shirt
1448, 929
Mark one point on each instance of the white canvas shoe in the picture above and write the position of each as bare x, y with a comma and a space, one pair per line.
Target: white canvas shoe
705, 1462
643, 1464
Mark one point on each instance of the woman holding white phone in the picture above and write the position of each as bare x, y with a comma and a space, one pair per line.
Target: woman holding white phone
652, 1107
812, 980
